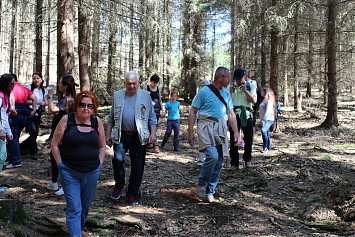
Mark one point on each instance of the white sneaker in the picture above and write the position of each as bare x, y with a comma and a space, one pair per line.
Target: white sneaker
211, 199
52, 186
60, 191
201, 192
11, 166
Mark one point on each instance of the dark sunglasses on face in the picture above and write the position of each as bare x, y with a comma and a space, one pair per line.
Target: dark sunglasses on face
83, 105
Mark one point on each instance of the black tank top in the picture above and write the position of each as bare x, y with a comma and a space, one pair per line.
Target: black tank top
155, 98
80, 150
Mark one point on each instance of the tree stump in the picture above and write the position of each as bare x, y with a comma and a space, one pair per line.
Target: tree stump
9, 207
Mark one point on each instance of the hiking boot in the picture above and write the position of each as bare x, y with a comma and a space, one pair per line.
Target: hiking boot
11, 166
60, 192
233, 168
52, 186
201, 192
116, 193
265, 150
132, 199
156, 149
211, 199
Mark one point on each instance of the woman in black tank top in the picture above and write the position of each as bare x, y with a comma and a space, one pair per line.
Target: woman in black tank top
79, 147
155, 95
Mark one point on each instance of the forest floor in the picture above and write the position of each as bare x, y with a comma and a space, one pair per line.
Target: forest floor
305, 186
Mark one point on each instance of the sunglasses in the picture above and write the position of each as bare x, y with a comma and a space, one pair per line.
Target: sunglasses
83, 105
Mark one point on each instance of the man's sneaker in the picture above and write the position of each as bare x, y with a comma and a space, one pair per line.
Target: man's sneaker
201, 192
156, 149
233, 168
132, 199
116, 193
60, 192
211, 199
265, 150
248, 164
200, 164
52, 186
11, 166
34, 157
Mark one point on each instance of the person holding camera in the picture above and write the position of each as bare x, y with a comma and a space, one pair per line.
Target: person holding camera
243, 97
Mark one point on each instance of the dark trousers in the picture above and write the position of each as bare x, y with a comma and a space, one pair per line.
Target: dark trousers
54, 167
17, 123
31, 141
172, 124
248, 141
137, 153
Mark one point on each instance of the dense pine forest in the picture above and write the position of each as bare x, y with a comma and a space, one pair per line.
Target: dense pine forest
303, 50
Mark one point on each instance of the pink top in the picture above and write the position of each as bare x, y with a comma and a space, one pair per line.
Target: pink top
5, 100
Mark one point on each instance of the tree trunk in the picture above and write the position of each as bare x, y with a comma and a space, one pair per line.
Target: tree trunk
285, 49
65, 40
168, 45
263, 54
296, 97
39, 19
131, 39
186, 41
325, 81
12, 37
141, 39
95, 47
84, 44
332, 111
213, 49
274, 59
112, 43
232, 52
48, 42
310, 58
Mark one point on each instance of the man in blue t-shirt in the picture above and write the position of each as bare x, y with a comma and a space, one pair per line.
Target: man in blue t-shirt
214, 104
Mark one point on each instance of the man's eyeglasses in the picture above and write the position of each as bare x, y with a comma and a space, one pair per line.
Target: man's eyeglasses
83, 105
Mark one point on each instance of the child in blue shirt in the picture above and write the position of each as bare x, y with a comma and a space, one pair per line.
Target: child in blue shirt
172, 107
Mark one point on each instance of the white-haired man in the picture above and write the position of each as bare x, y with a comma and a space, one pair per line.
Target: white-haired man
131, 118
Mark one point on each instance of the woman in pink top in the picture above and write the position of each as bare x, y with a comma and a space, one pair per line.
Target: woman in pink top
6, 85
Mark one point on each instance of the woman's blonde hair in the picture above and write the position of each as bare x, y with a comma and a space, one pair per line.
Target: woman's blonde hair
269, 96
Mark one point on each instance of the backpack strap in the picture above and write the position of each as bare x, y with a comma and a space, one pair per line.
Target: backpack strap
217, 93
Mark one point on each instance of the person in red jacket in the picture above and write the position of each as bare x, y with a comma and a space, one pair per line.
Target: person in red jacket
18, 119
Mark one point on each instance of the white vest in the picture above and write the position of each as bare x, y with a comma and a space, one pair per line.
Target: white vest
142, 109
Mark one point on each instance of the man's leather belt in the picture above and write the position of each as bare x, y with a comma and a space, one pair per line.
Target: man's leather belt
130, 133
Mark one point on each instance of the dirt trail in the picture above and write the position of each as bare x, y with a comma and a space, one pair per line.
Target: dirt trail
304, 186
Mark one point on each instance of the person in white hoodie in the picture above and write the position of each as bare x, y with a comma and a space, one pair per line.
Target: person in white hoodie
6, 85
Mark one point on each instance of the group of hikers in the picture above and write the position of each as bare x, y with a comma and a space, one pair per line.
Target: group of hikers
78, 137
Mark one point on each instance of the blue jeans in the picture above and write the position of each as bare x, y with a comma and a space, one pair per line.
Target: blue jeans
137, 153
265, 133
79, 189
17, 124
172, 124
209, 174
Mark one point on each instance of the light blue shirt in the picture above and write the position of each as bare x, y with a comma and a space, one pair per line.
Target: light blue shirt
209, 103
173, 110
